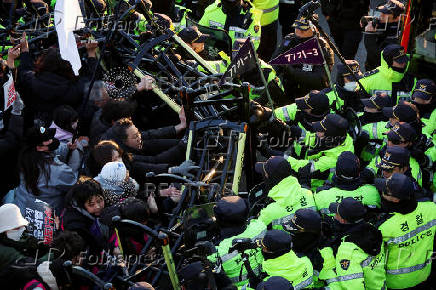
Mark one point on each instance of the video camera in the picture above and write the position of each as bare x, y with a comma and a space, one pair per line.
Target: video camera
309, 8
375, 21
242, 244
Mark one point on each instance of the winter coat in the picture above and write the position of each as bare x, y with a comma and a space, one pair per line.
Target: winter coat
45, 91
114, 192
52, 190
9, 148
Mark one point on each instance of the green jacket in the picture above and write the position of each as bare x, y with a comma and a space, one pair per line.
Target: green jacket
367, 194
430, 126
321, 161
232, 262
270, 10
26, 247
299, 271
336, 103
381, 79
288, 197
376, 132
409, 243
355, 269
214, 17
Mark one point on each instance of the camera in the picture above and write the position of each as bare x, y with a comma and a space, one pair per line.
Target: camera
243, 244
309, 8
375, 21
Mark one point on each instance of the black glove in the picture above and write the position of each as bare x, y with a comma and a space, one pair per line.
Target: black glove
304, 176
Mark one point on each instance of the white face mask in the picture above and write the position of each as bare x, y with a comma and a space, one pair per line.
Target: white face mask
350, 86
15, 235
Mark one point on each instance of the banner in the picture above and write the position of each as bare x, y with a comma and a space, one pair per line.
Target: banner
9, 92
244, 61
307, 52
41, 220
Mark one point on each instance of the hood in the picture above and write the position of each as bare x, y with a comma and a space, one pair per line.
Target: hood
389, 73
61, 134
285, 191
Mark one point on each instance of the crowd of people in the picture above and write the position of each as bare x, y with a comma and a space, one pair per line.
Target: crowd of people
348, 203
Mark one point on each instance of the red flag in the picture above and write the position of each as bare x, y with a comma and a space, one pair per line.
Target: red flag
406, 30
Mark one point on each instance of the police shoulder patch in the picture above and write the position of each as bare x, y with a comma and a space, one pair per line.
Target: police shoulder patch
345, 264
371, 72
256, 28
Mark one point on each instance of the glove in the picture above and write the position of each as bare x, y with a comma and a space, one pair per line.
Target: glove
258, 113
184, 168
296, 131
17, 106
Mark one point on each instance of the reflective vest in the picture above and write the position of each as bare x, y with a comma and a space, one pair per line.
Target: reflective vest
381, 79
322, 161
355, 269
430, 125
286, 113
232, 263
299, 271
409, 243
270, 10
214, 17
375, 132
367, 194
288, 197
328, 271
335, 102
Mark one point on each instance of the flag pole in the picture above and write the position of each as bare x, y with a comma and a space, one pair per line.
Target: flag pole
326, 68
262, 77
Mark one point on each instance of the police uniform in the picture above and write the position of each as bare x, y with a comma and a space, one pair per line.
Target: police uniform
315, 158
378, 102
294, 114
280, 260
299, 79
408, 236
242, 24
376, 132
346, 183
385, 79
232, 212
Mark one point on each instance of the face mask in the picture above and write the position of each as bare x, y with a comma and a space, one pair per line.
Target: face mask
230, 7
54, 145
400, 70
350, 86
15, 235
74, 125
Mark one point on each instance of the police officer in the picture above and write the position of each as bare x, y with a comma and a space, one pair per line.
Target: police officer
269, 27
231, 214
360, 260
236, 17
373, 108
310, 108
280, 260
287, 194
349, 216
305, 229
391, 76
424, 98
402, 134
397, 160
198, 276
408, 231
299, 79
382, 31
313, 155
375, 133
346, 92
346, 182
